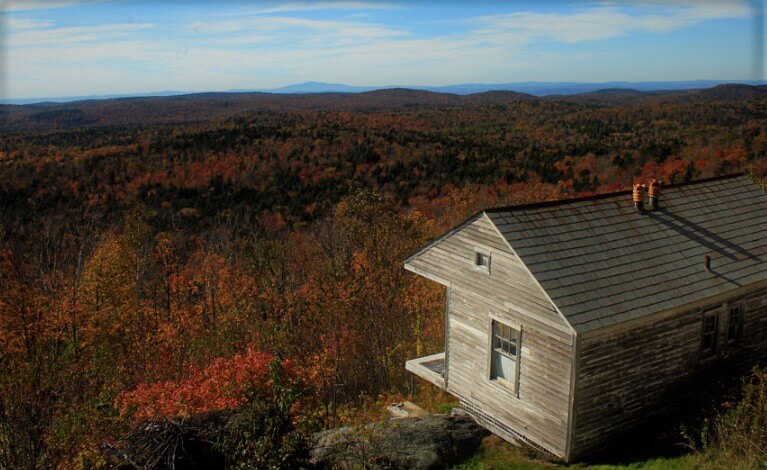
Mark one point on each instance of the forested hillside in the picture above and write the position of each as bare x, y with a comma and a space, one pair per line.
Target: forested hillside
157, 255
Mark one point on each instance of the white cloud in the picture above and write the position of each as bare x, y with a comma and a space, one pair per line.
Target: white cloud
29, 5
287, 27
605, 21
697, 9
18, 24
57, 37
323, 6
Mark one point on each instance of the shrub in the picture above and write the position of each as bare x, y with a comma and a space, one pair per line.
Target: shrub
243, 411
264, 432
267, 433
738, 436
222, 385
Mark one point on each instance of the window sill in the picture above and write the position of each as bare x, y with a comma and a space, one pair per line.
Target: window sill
709, 356
505, 385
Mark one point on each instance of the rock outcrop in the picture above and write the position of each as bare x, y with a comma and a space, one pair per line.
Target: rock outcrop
429, 442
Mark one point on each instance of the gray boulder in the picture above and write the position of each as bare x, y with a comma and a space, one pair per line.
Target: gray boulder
430, 442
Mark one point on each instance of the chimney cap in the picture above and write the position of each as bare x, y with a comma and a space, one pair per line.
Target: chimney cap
639, 193
654, 193
654, 187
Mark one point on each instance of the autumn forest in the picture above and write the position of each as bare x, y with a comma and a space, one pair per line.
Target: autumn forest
240, 256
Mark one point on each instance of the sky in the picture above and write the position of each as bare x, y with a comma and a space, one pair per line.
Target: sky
53, 48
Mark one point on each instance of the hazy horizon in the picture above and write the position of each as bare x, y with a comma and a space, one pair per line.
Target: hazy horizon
534, 88
64, 48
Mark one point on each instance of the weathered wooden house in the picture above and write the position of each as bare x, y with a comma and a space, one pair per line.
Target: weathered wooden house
570, 321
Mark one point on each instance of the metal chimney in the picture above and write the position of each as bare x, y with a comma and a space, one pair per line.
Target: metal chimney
654, 193
639, 192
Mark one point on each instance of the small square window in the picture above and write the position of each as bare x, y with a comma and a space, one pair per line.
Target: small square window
482, 260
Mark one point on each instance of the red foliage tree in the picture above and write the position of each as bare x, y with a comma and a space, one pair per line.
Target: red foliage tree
223, 384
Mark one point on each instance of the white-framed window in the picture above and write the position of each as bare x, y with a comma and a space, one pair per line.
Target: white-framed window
504, 354
734, 323
482, 260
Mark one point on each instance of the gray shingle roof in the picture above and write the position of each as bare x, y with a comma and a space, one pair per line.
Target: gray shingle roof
602, 262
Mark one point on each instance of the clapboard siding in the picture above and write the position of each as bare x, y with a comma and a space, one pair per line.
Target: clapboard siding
628, 374
452, 261
540, 414
754, 339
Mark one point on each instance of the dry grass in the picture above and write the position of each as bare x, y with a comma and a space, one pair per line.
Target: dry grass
497, 454
737, 437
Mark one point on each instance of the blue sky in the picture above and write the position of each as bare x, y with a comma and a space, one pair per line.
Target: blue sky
62, 48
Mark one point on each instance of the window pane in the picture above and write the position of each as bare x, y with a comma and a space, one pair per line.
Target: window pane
504, 352
708, 339
709, 325
734, 323
504, 367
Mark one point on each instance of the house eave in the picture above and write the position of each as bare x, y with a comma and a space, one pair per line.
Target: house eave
442, 237
427, 275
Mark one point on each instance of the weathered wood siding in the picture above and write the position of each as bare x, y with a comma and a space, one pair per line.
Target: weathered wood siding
541, 412
629, 373
451, 262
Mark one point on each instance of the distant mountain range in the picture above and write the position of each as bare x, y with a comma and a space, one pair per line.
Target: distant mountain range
206, 106
530, 88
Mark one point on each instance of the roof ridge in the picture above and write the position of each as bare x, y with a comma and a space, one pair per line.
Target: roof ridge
572, 200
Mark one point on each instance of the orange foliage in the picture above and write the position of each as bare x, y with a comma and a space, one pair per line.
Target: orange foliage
251, 244
651, 170
224, 384
673, 170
